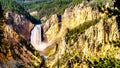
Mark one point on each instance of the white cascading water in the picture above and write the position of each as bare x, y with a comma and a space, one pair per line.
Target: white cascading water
36, 38
39, 42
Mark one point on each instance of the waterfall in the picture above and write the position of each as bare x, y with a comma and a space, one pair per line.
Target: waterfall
39, 42
35, 35
37, 38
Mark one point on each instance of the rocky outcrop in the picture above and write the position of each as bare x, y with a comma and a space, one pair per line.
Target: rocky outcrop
72, 17
90, 35
54, 19
34, 13
52, 27
19, 23
81, 38
15, 48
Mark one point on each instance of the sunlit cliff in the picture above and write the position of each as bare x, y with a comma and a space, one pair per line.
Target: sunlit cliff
82, 37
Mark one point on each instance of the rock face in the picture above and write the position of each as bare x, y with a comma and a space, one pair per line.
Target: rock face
19, 23
90, 35
80, 38
15, 49
72, 17
97, 37
52, 27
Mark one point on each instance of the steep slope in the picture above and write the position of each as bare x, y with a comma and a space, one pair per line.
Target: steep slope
87, 38
12, 5
82, 37
15, 49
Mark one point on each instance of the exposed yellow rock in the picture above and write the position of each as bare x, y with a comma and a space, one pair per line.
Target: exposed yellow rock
73, 17
34, 13
93, 43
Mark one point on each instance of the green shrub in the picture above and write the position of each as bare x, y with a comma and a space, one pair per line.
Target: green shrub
73, 34
100, 3
11, 5
48, 8
107, 63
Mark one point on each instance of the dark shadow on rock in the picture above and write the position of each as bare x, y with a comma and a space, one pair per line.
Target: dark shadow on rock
59, 18
118, 22
1, 11
42, 65
117, 3
27, 45
42, 33
32, 19
117, 13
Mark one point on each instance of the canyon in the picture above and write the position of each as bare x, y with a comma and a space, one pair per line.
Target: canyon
82, 37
